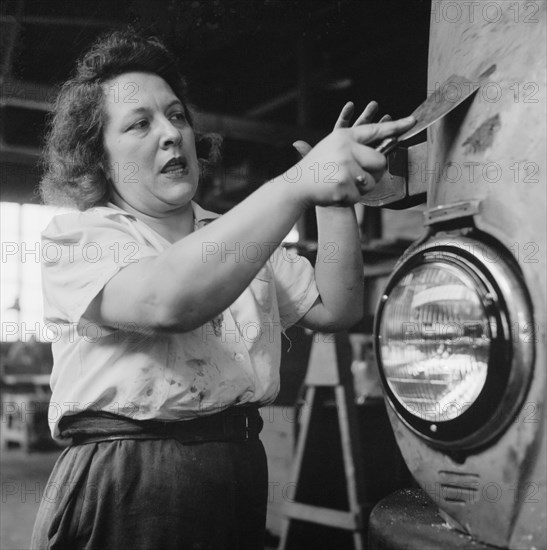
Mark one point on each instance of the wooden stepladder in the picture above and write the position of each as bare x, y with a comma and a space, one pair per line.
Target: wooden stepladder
330, 367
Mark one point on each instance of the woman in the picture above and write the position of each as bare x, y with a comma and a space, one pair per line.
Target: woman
157, 379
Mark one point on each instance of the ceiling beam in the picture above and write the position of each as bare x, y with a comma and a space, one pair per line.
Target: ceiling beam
12, 32
28, 156
64, 21
30, 96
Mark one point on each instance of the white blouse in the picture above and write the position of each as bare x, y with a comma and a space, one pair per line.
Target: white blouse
232, 359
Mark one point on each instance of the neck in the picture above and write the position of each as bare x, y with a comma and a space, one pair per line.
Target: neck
172, 225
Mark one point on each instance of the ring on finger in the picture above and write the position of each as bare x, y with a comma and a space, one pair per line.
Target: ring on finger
361, 183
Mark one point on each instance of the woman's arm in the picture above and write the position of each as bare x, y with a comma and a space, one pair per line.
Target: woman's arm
339, 265
197, 278
338, 272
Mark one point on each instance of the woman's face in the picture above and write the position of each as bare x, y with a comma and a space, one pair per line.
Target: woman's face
150, 144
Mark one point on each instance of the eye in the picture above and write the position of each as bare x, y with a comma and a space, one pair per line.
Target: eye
178, 116
139, 125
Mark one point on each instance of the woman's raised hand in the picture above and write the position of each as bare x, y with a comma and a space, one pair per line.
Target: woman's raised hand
341, 168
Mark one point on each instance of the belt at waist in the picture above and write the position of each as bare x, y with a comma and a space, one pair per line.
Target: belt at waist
236, 423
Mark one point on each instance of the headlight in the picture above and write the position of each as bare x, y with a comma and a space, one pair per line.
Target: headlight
451, 334
435, 341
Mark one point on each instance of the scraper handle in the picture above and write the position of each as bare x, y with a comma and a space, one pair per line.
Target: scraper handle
387, 145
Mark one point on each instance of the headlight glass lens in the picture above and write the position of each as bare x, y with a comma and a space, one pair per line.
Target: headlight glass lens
435, 341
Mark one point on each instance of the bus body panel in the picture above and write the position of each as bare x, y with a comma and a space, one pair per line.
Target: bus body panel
491, 150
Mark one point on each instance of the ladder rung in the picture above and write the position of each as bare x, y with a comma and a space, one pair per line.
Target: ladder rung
326, 516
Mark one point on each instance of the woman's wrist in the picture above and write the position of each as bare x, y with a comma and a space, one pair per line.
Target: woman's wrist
293, 190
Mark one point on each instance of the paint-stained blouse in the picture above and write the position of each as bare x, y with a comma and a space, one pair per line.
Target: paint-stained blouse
232, 359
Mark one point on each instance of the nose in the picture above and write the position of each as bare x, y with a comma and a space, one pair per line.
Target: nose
170, 134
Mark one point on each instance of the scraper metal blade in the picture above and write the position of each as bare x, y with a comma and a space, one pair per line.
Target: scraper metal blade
453, 91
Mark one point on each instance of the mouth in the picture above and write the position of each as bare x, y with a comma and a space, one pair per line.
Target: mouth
176, 166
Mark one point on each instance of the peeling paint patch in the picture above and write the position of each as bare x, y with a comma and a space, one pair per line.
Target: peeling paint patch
202, 394
483, 136
217, 325
196, 363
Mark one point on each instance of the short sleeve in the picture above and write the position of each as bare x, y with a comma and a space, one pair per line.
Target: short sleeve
295, 285
81, 252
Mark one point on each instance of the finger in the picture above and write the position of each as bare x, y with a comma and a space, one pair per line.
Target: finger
367, 116
350, 196
302, 147
371, 132
385, 118
345, 115
369, 160
365, 183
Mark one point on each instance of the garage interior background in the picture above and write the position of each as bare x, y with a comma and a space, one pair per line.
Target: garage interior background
262, 74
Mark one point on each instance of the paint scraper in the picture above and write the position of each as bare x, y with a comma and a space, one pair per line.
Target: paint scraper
453, 91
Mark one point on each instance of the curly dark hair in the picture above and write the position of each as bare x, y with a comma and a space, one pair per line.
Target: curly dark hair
75, 161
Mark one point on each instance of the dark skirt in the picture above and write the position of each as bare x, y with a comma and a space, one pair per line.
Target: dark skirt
142, 494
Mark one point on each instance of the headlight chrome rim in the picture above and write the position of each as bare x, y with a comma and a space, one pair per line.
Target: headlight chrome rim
506, 302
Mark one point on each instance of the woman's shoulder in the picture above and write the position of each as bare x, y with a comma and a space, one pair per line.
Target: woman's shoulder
108, 216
